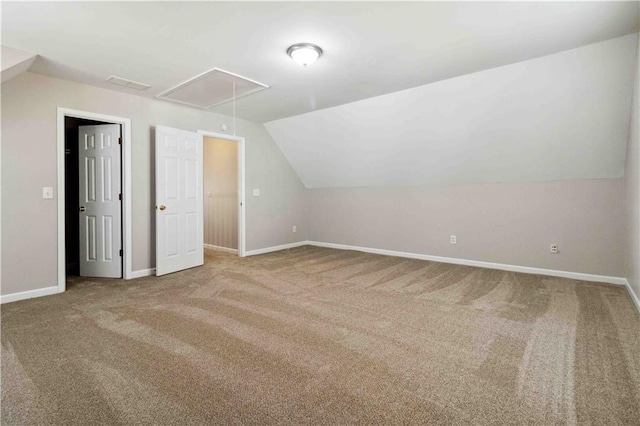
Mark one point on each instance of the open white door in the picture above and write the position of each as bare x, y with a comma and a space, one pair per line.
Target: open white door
179, 212
100, 203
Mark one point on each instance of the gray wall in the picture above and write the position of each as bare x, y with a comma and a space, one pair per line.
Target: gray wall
632, 189
29, 233
511, 223
509, 160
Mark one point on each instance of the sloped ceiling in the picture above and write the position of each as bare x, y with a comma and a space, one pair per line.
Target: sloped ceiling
563, 116
371, 48
14, 62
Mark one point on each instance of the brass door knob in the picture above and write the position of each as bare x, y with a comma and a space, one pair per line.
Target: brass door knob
82, 208
162, 207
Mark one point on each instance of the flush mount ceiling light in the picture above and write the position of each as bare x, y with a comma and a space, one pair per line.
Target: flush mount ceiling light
304, 53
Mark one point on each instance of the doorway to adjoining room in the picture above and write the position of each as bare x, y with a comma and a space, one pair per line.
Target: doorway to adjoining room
220, 194
93, 198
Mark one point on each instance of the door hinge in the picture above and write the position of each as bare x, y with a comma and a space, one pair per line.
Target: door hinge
120, 252
120, 140
120, 196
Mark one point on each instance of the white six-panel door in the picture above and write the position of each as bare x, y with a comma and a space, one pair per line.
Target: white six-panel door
100, 209
179, 211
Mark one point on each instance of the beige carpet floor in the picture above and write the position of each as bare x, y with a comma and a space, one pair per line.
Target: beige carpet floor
322, 336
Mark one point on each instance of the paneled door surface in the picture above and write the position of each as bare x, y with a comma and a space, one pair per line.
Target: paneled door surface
179, 197
100, 204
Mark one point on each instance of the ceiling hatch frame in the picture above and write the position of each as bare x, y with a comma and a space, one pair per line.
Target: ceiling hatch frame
258, 87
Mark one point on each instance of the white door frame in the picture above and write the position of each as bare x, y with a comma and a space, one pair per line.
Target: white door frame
241, 208
127, 254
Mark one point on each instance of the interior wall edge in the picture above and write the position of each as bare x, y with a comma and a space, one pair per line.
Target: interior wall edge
632, 188
632, 295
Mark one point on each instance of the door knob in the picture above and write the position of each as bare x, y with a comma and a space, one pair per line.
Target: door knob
162, 207
82, 208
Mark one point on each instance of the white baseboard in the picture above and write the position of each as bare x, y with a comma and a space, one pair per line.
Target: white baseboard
220, 248
480, 264
633, 295
143, 273
14, 297
276, 248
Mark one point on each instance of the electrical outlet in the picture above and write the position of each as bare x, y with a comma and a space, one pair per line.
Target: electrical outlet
454, 240
295, 228
553, 248
256, 192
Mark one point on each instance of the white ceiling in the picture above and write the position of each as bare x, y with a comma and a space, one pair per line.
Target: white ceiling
14, 62
563, 116
370, 48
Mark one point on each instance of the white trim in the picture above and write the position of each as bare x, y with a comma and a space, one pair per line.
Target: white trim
143, 273
241, 185
632, 294
277, 248
220, 248
1, 222
502, 266
29, 294
163, 95
126, 189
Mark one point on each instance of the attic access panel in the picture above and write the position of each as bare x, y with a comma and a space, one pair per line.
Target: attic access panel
212, 88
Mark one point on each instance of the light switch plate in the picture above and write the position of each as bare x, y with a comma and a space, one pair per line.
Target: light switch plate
256, 192
47, 193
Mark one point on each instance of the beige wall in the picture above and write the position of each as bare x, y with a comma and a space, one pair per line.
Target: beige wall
29, 233
510, 223
632, 189
220, 193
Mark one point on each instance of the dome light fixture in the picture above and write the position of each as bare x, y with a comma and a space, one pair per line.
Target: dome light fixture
304, 53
